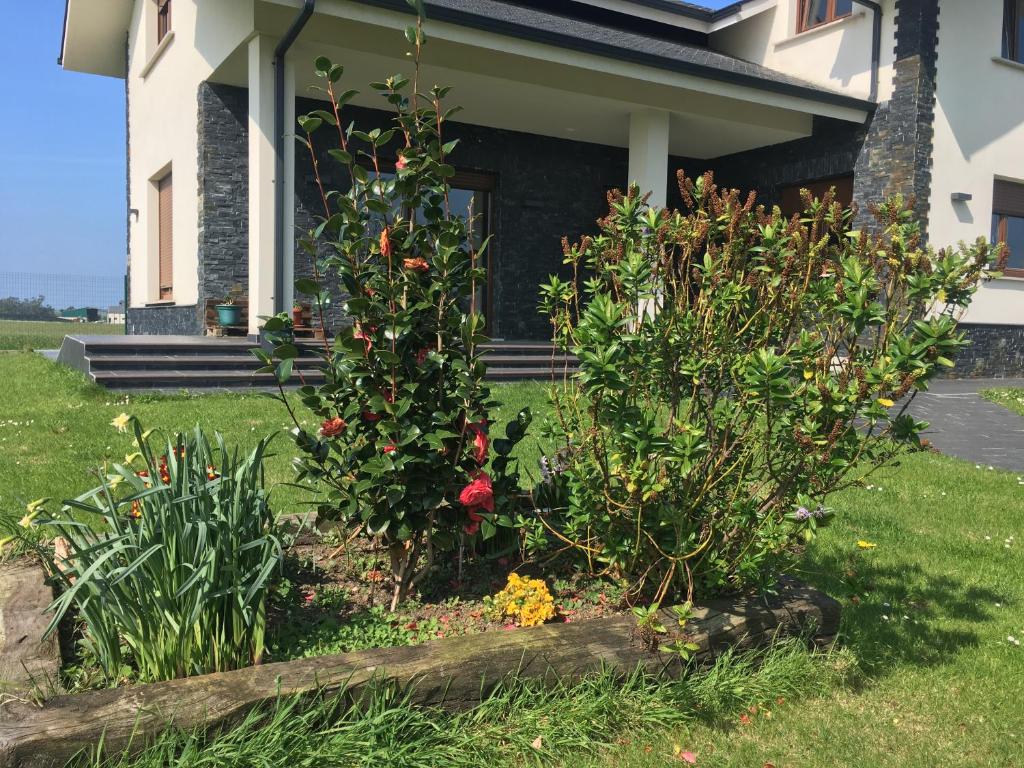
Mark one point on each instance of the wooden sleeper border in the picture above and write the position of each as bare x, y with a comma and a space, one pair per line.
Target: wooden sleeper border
454, 672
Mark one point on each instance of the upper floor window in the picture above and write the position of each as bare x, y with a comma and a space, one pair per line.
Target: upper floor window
1013, 30
163, 19
1008, 223
814, 13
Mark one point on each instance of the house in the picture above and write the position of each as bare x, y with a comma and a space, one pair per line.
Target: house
563, 100
79, 315
115, 315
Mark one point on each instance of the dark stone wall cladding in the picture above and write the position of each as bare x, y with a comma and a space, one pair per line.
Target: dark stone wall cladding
996, 351
155, 321
831, 150
546, 188
223, 190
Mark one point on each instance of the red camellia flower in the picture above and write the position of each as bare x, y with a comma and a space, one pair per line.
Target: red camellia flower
471, 528
390, 448
478, 495
400, 163
421, 356
364, 336
333, 427
385, 243
418, 264
370, 416
480, 442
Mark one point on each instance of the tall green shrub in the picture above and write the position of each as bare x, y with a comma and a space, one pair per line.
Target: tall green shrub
736, 368
169, 560
404, 433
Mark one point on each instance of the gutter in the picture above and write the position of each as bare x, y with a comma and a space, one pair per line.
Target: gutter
63, 35
876, 44
279, 56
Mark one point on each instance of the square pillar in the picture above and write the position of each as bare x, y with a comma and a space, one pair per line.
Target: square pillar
261, 180
648, 153
288, 223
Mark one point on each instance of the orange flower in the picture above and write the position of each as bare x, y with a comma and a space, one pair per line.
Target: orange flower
418, 264
385, 243
480, 442
211, 472
333, 427
136, 512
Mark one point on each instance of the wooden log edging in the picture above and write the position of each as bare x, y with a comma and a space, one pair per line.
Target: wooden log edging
26, 660
453, 672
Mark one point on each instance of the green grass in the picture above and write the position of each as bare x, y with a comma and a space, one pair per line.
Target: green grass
521, 724
1008, 398
55, 427
939, 687
23, 335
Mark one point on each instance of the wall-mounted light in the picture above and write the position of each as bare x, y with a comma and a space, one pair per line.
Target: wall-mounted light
133, 213
961, 197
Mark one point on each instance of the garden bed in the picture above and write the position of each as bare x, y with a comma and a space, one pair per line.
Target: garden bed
452, 672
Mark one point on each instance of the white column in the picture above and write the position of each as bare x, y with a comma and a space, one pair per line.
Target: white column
288, 224
261, 180
648, 153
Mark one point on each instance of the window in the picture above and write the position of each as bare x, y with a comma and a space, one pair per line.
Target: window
1013, 30
814, 13
163, 19
1008, 223
165, 240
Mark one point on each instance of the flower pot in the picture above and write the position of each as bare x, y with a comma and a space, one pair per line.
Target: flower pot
228, 314
297, 316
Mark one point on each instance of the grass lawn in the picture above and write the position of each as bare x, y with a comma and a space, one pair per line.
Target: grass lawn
55, 427
927, 614
33, 334
1008, 398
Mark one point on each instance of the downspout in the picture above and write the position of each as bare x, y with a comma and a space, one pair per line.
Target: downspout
279, 129
876, 44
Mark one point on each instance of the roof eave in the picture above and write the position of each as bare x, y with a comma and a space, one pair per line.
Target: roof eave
525, 32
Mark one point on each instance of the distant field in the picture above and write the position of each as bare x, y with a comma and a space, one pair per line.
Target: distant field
30, 334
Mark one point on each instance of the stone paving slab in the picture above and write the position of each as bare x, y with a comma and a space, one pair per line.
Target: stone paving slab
965, 425
25, 658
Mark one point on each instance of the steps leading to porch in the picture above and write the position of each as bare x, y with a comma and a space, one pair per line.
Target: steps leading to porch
173, 363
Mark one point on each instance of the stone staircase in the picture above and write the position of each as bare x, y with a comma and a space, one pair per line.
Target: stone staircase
197, 364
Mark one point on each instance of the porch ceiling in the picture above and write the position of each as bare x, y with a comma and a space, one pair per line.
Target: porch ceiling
523, 85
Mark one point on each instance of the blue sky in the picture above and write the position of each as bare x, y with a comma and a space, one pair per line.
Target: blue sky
62, 156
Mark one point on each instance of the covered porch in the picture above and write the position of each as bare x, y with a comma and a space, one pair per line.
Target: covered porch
556, 113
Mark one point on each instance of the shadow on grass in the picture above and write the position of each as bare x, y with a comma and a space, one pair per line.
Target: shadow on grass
906, 614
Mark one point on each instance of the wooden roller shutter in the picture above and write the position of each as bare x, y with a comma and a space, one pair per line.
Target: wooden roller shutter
1008, 198
163, 19
166, 240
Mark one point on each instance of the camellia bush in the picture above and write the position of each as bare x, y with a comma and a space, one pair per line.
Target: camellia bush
404, 437
736, 368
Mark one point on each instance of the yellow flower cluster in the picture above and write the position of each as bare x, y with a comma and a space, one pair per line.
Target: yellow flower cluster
527, 601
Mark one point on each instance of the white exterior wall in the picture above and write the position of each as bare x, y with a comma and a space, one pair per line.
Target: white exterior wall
979, 135
163, 84
836, 55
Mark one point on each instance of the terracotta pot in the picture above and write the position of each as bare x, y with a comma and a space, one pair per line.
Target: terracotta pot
296, 316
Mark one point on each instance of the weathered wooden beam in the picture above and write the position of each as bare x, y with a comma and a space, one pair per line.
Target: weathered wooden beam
454, 672
25, 659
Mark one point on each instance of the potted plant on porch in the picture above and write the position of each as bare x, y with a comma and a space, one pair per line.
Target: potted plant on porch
230, 313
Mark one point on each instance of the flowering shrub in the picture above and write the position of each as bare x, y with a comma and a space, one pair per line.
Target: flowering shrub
404, 434
736, 367
526, 601
168, 561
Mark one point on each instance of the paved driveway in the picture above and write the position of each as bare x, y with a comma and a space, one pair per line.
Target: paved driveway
966, 425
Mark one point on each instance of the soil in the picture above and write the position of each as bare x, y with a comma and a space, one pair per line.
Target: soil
335, 597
